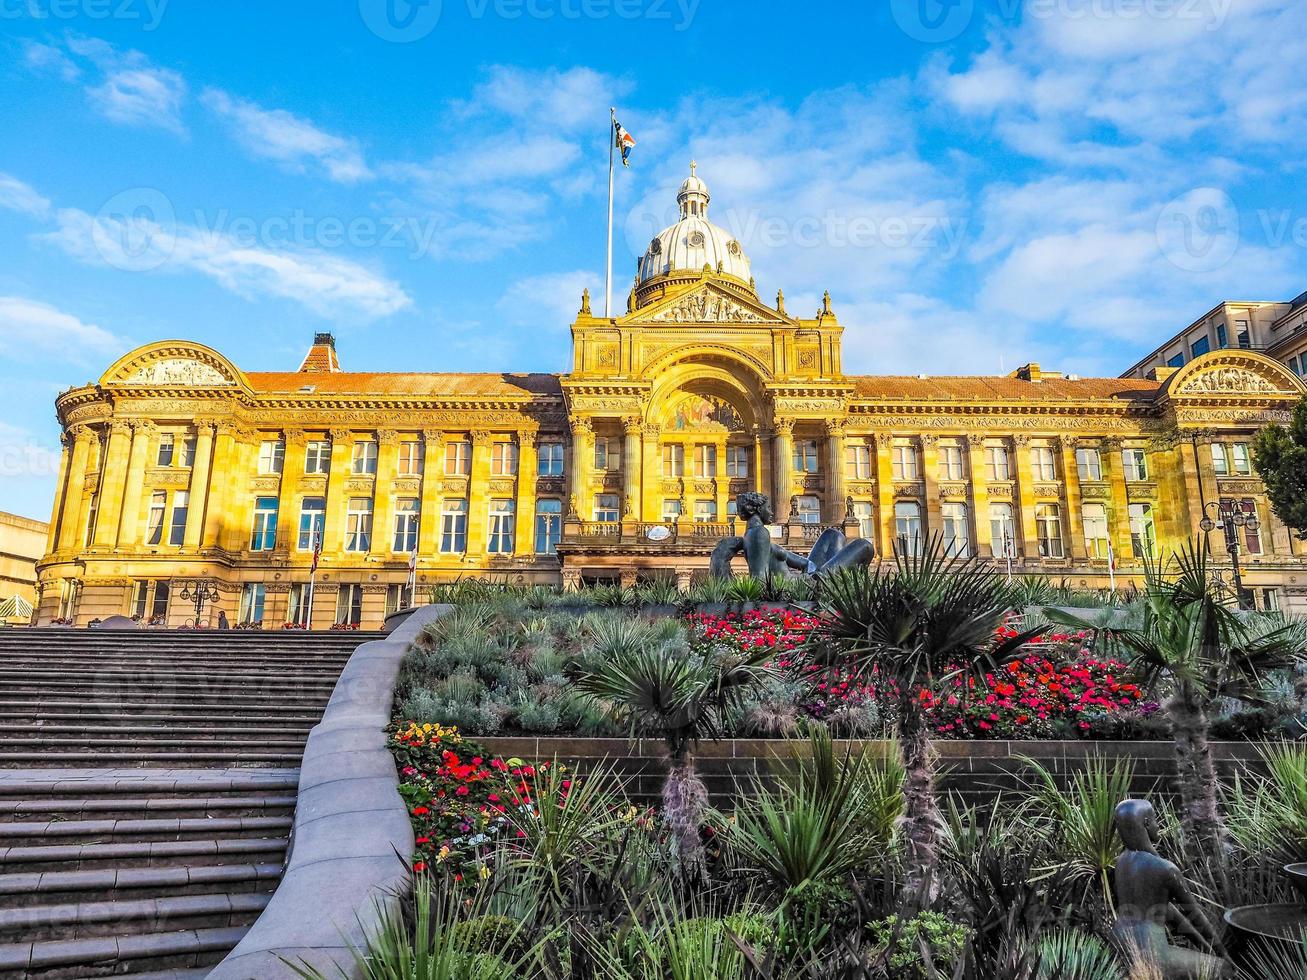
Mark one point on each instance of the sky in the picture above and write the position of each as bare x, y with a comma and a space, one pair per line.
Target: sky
978, 184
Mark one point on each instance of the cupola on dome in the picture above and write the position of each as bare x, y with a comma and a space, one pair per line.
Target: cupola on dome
694, 241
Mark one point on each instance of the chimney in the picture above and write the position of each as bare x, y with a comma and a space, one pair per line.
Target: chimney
321, 358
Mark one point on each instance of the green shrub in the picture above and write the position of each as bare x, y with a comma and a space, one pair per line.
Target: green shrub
902, 942
537, 718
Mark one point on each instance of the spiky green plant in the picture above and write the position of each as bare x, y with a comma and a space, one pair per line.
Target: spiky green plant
1069, 955
745, 588
1270, 814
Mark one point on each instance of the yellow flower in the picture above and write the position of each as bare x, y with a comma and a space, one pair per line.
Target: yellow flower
484, 872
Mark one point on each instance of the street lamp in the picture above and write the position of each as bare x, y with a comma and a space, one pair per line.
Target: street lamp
1230, 517
199, 592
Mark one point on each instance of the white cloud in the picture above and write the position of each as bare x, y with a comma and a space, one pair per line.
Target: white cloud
29, 327
549, 302
566, 100
18, 196
125, 86
295, 143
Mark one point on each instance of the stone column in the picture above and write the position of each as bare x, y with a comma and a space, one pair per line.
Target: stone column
113, 477
835, 482
1118, 510
578, 504
129, 526
650, 507
478, 496
528, 444
383, 497
633, 465
1074, 524
783, 466
432, 468
885, 495
979, 496
1025, 498
333, 532
200, 485
221, 487
60, 489
760, 472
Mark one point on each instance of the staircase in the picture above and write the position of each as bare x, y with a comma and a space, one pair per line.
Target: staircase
147, 786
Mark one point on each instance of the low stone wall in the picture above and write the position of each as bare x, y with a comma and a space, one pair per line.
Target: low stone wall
978, 771
352, 841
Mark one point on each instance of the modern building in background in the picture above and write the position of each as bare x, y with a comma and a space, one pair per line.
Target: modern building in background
181, 469
22, 543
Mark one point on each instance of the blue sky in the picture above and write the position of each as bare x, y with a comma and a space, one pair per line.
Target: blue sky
977, 184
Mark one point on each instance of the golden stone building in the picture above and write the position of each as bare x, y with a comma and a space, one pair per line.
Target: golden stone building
180, 467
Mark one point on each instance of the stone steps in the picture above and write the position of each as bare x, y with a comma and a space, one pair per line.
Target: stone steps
84, 920
142, 854
119, 955
24, 889
108, 807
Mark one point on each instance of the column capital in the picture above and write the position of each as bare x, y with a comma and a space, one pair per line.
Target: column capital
976, 440
1021, 440
294, 435
529, 438
1111, 443
120, 427
432, 436
632, 425
387, 437
480, 438
783, 427
340, 435
928, 440
836, 427
147, 427
580, 425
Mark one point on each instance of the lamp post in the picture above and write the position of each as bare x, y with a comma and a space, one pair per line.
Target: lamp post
1230, 517
199, 592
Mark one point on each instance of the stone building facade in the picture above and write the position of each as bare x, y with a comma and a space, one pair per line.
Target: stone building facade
179, 467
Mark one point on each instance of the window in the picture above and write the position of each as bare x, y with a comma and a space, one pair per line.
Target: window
180, 505
1229, 459
903, 462
1048, 529
1175, 360
358, 525
805, 455
907, 525
264, 537
1252, 536
1095, 521
364, 460
705, 511
159, 608
550, 462
673, 460
410, 458
154, 529
313, 518
68, 593
957, 534
809, 509
503, 459
1220, 461
453, 527
317, 456
1222, 339
737, 462
951, 464
92, 516
863, 514
705, 462
1297, 366
188, 452
458, 458
1239, 455
1200, 347
398, 596
297, 610
1242, 337
500, 541
1089, 464
166, 443
407, 519
1143, 537
140, 593
549, 525
252, 596
857, 462
608, 454
671, 509
272, 454
1136, 464
1002, 531
1043, 464
607, 508
349, 604
998, 465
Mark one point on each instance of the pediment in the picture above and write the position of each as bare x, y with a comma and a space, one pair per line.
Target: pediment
178, 365
705, 304
1234, 374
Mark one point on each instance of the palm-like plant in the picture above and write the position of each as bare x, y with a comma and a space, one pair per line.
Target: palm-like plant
931, 619
656, 685
1202, 651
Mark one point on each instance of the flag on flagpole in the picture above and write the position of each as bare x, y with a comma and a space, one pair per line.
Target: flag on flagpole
317, 551
624, 142
1111, 566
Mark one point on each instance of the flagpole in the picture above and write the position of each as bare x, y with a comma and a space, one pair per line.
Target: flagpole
1111, 568
608, 277
308, 606
412, 577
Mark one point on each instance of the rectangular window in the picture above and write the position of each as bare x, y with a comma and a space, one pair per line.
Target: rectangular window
502, 521
252, 596
272, 454
1220, 460
1252, 532
705, 462
398, 596
705, 511
673, 460
180, 506
458, 458
998, 466
1239, 457
358, 525
264, 537
809, 510
1242, 337
1095, 521
1002, 531
549, 525
608, 454
1297, 366
167, 443
313, 518
550, 462
737, 462
503, 459
188, 452
951, 463
158, 506
410, 458
349, 605
1136, 464
1176, 360
671, 509
857, 462
92, 515
1048, 529
1043, 464
159, 607
364, 459
317, 456
298, 609
1089, 465
140, 596
1200, 347
957, 532
1143, 537
903, 462
1222, 338
607, 508
453, 527
907, 526
805, 456
407, 519
865, 516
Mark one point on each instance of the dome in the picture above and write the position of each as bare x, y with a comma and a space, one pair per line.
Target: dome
694, 241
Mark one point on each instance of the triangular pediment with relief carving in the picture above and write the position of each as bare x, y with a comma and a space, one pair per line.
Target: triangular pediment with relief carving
705, 304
